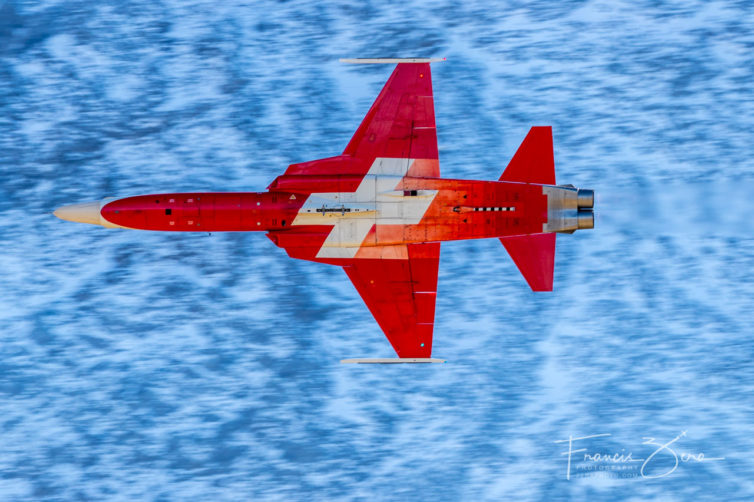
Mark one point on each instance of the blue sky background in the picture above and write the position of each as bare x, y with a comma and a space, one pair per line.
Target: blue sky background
154, 366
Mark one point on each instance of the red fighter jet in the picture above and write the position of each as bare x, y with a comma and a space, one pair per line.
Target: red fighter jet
380, 210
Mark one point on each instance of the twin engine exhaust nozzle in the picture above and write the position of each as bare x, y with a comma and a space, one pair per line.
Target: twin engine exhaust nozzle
568, 208
585, 202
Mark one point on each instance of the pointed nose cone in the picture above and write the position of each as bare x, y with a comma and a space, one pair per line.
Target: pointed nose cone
88, 212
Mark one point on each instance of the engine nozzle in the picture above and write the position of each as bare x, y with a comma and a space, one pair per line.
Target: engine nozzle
585, 198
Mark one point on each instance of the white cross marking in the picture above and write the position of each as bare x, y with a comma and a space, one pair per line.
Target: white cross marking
375, 202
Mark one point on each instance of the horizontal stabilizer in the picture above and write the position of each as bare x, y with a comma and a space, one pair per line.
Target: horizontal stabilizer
534, 255
533, 161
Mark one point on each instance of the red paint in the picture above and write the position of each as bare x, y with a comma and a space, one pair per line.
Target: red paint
533, 161
534, 255
395, 269
205, 212
275, 211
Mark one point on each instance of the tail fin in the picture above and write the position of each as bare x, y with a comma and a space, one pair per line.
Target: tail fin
534, 255
533, 161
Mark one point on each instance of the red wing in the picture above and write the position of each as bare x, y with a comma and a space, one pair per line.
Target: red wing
401, 122
401, 293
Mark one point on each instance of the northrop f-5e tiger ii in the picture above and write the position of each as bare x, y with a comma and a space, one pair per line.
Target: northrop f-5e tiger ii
380, 210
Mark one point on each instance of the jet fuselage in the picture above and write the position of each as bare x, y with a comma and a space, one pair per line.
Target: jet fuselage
381, 209
456, 209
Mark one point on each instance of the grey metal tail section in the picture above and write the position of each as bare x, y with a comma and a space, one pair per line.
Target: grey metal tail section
568, 209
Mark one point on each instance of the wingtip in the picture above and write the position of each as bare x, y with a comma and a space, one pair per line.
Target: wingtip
393, 360
390, 60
